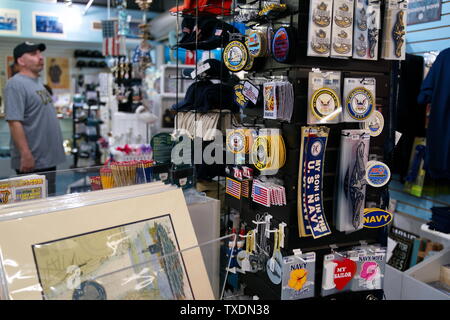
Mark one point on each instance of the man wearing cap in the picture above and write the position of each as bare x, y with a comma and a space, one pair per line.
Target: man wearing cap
36, 138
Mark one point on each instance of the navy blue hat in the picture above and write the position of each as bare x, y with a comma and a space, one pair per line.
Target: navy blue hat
26, 47
210, 33
204, 95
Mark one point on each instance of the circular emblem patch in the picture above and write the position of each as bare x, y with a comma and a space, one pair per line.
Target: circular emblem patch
316, 148
360, 103
235, 56
374, 124
377, 174
324, 102
236, 141
281, 45
256, 44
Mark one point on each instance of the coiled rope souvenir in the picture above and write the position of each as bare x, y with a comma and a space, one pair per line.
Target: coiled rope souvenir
311, 215
268, 151
352, 185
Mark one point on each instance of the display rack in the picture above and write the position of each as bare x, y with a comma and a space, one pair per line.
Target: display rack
386, 75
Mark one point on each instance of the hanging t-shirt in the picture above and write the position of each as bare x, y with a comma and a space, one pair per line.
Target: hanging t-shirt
436, 90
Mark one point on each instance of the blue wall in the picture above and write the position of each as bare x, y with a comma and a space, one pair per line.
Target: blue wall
78, 27
430, 36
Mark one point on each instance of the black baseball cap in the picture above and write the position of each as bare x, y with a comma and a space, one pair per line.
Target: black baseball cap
26, 47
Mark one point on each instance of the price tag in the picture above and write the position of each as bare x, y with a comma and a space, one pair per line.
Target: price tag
202, 68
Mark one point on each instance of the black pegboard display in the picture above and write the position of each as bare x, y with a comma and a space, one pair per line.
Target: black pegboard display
386, 74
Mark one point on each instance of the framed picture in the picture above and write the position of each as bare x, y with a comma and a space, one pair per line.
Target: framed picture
9, 66
134, 30
57, 72
9, 21
423, 11
48, 25
135, 247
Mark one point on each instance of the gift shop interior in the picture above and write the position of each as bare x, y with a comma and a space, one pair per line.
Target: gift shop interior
225, 150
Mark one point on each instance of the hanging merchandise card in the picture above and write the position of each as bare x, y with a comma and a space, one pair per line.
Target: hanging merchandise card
366, 29
354, 154
339, 270
342, 28
23, 188
359, 99
311, 215
270, 100
324, 97
298, 276
394, 33
371, 266
251, 92
319, 32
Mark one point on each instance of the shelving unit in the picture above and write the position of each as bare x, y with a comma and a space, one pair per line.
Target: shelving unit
386, 75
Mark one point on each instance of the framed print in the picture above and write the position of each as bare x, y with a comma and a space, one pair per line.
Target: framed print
136, 247
57, 72
135, 31
9, 21
9, 67
423, 11
48, 25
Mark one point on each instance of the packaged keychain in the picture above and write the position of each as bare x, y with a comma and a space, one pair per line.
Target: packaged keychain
339, 269
366, 29
311, 216
342, 28
274, 264
324, 97
371, 265
298, 276
351, 191
359, 99
319, 31
394, 33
